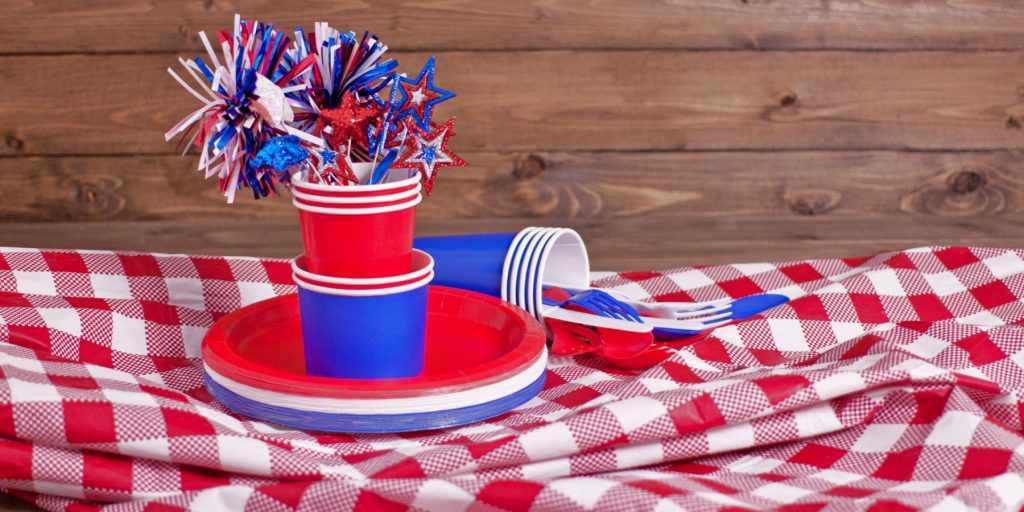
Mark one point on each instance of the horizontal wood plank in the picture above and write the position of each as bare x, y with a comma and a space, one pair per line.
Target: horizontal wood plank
580, 101
615, 245
55, 26
663, 187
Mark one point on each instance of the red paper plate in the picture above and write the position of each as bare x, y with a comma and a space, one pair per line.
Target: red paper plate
472, 340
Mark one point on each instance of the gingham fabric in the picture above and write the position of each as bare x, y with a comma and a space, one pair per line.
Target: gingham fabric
892, 382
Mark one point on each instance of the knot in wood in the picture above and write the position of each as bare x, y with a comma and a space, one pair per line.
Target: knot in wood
87, 193
812, 201
529, 167
94, 199
965, 182
14, 142
787, 98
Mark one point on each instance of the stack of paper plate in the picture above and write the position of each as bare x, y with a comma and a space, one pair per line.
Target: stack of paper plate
483, 357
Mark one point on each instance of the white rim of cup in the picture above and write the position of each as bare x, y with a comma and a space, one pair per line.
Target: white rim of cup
530, 262
358, 211
506, 266
364, 281
305, 196
298, 180
513, 268
542, 267
516, 290
342, 292
535, 295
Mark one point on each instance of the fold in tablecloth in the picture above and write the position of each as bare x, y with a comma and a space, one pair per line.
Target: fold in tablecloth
891, 380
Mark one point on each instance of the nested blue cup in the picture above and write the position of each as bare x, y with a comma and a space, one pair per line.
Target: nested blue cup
372, 328
511, 266
470, 262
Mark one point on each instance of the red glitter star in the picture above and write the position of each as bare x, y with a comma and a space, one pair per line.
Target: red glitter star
347, 122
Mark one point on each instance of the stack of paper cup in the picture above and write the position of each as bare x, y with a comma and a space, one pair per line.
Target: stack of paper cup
362, 288
512, 266
357, 231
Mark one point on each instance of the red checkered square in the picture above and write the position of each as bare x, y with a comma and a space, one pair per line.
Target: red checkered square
869, 308
197, 478
89, 422
994, 294
981, 349
17, 459
213, 268
79, 303
899, 465
74, 381
578, 397
140, 265
181, 423
777, 388
741, 287
818, 455
65, 262
929, 308
956, 257
801, 273
700, 413
984, 463
106, 472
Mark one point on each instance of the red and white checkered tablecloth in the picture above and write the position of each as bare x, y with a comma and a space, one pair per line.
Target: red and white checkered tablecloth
889, 382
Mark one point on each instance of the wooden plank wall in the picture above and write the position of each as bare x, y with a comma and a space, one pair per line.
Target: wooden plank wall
667, 132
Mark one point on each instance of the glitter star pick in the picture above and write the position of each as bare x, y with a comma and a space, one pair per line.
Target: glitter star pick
347, 123
419, 95
429, 152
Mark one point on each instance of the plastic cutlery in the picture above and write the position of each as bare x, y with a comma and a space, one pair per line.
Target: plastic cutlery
611, 327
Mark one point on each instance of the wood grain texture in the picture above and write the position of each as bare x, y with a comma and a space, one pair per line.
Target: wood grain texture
663, 187
629, 244
559, 100
172, 25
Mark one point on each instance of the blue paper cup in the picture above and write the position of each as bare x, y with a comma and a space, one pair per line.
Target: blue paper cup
364, 330
470, 262
511, 266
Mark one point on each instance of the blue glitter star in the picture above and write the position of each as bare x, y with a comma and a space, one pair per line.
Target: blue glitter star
419, 95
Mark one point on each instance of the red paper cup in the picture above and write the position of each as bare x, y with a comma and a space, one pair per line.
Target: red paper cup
358, 240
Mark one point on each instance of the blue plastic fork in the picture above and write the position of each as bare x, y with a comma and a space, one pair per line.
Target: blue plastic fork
604, 304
